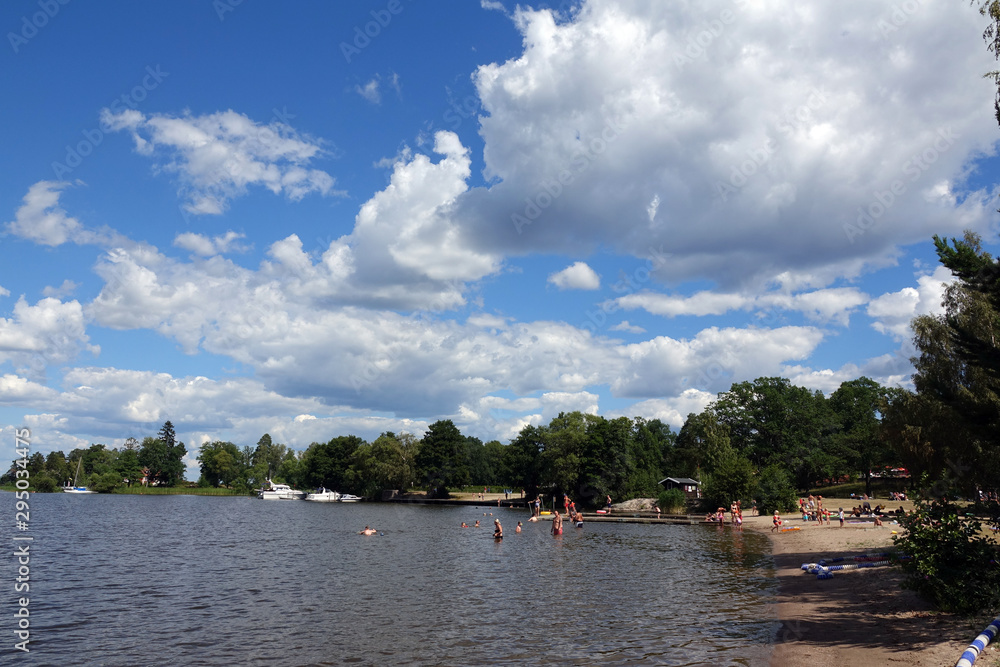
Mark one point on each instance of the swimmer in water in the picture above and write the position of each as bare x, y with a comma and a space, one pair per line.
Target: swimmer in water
556, 523
497, 530
367, 531
518, 529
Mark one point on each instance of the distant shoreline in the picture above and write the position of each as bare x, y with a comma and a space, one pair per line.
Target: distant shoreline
153, 491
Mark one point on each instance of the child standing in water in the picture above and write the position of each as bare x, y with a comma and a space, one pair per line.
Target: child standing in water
556, 523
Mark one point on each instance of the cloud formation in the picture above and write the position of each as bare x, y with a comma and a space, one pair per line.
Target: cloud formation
218, 156
799, 162
576, 276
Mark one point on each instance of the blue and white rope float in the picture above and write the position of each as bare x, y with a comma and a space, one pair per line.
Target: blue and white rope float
839, 559
823, 571
979, 644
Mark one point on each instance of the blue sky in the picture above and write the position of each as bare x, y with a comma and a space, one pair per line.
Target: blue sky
248, 217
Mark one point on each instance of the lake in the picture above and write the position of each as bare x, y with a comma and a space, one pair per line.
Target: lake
194, 580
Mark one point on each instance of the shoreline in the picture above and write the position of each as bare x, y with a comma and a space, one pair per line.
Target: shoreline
859, 617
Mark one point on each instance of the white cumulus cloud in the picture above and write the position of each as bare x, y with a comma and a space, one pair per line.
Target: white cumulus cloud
576, 276
218, 156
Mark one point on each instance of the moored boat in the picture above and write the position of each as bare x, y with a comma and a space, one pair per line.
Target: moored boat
75, 488
280, 492
349, 498
324, 495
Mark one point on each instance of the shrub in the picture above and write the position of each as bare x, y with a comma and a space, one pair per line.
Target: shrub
953, 565
732, 479
672, 501
43, 484
774, 491
106, 483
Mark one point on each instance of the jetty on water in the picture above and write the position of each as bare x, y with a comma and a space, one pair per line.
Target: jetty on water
497, 500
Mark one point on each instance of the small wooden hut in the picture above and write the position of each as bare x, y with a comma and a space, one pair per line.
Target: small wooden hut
690, 487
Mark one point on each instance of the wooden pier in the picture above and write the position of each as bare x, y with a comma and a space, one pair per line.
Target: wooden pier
521, 504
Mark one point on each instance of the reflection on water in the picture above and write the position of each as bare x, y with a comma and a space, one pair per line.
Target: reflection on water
129, 580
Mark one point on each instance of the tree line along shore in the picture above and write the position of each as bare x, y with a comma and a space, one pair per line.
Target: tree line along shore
761, 442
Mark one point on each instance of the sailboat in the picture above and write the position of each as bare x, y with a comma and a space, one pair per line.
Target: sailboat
75, 488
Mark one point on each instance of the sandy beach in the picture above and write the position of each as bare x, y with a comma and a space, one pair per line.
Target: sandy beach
859, 617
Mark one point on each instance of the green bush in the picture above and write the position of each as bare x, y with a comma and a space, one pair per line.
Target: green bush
43, 484
733, 479
774, 491
106, 483
672, 501
953, 565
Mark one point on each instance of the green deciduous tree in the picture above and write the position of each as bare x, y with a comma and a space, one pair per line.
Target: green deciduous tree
858, 441
163, 456
441, 458
731, 480
220, 463
775, 490
772, 421
523, 459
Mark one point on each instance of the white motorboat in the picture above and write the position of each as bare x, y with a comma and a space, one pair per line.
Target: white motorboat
324, 496
349, 498
280, 492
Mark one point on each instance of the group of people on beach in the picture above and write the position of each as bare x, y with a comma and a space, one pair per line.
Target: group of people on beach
719, 516
812, 509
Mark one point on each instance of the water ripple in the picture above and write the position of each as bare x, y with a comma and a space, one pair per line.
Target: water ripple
126, 580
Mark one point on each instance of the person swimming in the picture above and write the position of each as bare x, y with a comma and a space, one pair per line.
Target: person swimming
518, 529
367, 531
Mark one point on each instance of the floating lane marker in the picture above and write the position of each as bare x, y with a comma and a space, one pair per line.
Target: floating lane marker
823, 571
978, 644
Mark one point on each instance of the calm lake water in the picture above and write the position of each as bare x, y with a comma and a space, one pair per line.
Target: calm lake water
190, 580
